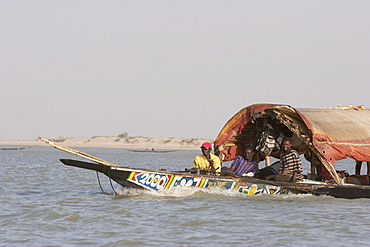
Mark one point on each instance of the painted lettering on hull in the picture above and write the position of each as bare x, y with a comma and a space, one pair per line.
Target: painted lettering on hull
155, 181
222, 184
253, 189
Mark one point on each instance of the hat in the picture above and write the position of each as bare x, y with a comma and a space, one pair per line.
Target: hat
206, 145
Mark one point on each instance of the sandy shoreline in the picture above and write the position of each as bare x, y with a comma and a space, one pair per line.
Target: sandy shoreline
135, 142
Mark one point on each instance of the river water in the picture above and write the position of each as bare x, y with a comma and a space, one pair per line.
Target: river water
44, 203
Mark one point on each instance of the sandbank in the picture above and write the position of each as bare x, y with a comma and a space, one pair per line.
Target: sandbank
134, 142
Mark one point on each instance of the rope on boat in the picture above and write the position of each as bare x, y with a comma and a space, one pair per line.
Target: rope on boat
110, 181
97, 174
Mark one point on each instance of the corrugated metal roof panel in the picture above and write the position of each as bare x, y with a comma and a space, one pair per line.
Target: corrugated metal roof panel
352, 126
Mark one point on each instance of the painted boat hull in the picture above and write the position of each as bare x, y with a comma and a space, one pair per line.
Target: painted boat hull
167, 180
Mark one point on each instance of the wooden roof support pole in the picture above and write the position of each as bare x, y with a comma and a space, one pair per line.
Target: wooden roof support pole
313, 166
267, 157
307, 140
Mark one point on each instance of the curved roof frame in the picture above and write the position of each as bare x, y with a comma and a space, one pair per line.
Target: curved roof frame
331, 134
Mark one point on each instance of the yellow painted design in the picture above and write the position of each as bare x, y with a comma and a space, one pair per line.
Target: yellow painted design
131, 175
202, 183
252, 190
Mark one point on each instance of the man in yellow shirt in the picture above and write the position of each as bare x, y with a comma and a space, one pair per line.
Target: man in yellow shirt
207, 161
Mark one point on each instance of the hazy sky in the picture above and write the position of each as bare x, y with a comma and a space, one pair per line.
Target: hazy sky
173, 68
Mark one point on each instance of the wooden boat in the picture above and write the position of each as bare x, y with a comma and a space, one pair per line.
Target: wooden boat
167, 180
13, 148
323, 135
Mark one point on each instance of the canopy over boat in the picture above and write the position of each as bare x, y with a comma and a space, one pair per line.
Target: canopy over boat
325, 134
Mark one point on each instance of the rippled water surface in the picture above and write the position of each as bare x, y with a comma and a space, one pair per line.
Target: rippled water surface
44, 203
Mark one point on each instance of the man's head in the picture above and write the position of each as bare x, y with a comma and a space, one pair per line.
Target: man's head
248, 153
286, 145
206, 148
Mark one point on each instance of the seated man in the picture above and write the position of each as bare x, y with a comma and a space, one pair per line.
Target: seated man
207, 161
268, 170
244, 164
290, 164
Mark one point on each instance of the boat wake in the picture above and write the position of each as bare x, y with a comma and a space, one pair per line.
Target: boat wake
200, 192
175, 192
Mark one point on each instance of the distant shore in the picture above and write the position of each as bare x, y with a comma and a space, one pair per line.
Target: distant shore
121, 141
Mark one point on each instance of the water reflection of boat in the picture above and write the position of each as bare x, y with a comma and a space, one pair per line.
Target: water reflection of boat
324, 135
